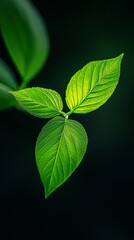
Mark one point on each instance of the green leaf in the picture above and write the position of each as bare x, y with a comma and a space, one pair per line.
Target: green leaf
91, 86
60, 148
40, 102
6, 76
6, 99
25, 36
7, 83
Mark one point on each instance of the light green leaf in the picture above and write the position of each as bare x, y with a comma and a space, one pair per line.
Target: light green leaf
91, 86
40, 102
7, 83
60, 148
25, 36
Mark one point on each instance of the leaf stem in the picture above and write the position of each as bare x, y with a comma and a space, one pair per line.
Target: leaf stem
63, 114
66, 115
69, 113
22, 86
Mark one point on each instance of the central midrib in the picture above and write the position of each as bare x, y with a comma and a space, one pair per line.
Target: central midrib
61, 136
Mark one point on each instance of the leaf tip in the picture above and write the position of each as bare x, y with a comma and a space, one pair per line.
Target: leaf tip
47, 194
13, 93
121, 55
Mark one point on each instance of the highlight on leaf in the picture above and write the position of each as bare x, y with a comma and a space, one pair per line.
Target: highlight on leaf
60, 148
40, 102
93, 85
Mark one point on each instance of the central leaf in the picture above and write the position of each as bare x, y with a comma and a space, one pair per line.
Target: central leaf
60, 148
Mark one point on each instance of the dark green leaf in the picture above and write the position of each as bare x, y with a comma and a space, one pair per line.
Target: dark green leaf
6, 76
25, 36
7, 83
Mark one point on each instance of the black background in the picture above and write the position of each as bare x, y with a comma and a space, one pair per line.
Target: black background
97, 201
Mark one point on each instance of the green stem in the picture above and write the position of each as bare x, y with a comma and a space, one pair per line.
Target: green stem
63, 114
23, 85
66, 115
69, 113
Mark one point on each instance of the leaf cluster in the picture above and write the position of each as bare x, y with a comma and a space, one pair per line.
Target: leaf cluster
62, 142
